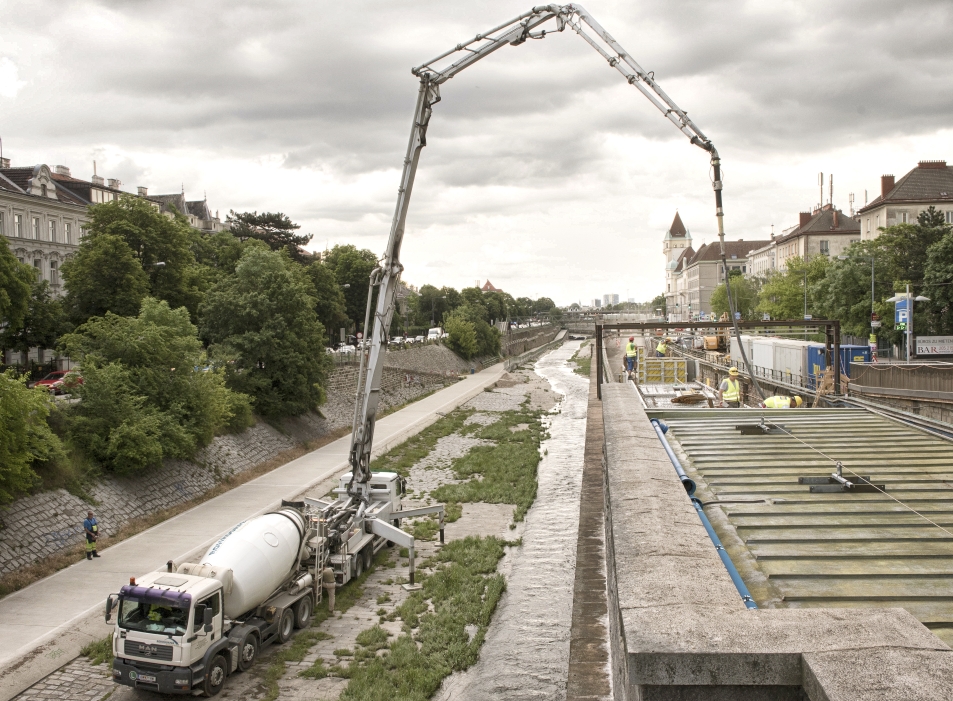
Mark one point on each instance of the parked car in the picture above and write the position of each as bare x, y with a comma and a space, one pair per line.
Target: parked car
69, 382
347, 348
397, 340
419, 339
50, 379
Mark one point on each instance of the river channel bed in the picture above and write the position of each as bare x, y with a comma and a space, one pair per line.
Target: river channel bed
525, 648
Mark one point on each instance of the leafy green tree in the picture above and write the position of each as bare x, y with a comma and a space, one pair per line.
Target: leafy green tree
218, 254
263, 321
15, 281
352, 266
147, 391
844, 291
906, 246
103, 276
744, 294
495, 305
329, 302
274, 228
487, 337
25, 436
461, 336
162, 245
782, 293
44, 323
659, 303
938, 284
543, 305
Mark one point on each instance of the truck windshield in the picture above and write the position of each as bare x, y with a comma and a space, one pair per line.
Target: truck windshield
152, 617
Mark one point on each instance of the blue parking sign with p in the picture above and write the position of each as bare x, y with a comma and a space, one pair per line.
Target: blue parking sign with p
901, 312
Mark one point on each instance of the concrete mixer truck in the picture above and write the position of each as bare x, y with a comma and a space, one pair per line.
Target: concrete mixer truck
185, 629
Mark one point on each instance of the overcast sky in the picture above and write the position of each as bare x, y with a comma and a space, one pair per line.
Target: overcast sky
545, 172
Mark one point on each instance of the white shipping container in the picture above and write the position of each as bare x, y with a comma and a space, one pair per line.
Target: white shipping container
736, 358
762, 356
790, 360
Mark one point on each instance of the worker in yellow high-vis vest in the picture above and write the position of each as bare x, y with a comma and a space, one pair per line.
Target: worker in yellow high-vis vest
661, 348
729, 391
631, 354
781, 402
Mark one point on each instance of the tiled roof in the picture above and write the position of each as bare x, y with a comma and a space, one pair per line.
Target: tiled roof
925, 183
199, 208
177, 201
737, 249
8, 185
677, 229
21, 177
684, 258
822, 222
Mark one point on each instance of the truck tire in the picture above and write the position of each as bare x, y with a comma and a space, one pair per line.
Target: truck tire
215, 676
247, 651
303, 611
358, 565
286, 625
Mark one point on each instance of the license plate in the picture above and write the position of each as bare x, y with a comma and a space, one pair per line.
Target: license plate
147, 678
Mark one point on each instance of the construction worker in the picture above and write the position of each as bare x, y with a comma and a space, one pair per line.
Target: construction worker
91, 527
327, 579
661, 348
631, 353
780, 402
729, 391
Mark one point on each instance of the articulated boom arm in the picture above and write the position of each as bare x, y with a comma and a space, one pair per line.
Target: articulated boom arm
385, 278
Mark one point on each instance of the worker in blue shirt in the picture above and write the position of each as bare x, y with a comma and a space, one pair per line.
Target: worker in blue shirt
91, 527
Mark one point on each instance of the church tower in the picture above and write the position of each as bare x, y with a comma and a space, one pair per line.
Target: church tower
677, 240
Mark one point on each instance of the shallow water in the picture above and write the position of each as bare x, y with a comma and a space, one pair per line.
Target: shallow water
526, 652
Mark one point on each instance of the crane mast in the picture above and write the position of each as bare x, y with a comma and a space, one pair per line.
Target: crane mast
432, 74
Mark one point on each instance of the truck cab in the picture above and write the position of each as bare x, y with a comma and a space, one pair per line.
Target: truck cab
166, 624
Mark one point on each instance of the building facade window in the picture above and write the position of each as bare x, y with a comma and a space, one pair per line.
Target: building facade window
67, 233
52, 230
901, 217
43, 190
2, 231
825, 248
54, 273
38, 266
36, 228
18, 225
868, 225
949, 217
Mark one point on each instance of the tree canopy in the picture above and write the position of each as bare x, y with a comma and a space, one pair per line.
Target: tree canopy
15, 281
104, 276
147, 391
352, 267
261, 322
744, 294
273, 228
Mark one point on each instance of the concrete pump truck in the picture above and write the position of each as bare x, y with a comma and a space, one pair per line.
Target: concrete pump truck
185, 629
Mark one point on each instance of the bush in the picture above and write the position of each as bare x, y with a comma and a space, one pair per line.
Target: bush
25, 436
148, 392
461, 336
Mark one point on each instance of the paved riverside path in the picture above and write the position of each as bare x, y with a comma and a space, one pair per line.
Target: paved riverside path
44, 625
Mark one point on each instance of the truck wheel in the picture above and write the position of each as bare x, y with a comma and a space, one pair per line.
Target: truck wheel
303, 610
247, 651
215, 676
358, 565
286, 625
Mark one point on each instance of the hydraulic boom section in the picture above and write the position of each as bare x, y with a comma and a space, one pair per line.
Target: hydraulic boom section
432, 74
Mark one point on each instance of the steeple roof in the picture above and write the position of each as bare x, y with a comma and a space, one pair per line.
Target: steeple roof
677, 230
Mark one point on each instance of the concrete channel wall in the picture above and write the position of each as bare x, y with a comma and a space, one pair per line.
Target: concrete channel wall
678, 627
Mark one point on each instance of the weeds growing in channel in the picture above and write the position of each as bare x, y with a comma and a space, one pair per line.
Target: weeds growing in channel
402, 457
463, 591
508, 468
584, 363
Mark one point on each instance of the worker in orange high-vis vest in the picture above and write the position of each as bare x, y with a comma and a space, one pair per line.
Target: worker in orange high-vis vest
729, 391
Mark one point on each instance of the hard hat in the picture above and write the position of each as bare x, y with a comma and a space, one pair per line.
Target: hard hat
732, 371
796, 401
631, 338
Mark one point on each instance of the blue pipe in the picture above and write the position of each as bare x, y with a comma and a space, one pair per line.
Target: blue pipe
661, 429
687, 482
723, 554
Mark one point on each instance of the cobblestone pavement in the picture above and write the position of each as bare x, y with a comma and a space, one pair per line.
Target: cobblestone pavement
383, 589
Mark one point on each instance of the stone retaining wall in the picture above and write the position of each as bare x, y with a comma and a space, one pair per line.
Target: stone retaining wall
41, 525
